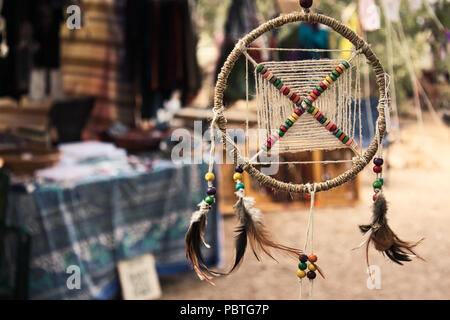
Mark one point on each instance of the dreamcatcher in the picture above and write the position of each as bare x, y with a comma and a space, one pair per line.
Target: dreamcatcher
302, 106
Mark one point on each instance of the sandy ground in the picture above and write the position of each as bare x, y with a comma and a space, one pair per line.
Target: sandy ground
417, 189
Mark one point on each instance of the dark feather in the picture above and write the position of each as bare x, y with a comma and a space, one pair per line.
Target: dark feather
384, 239
194, 238
252, 230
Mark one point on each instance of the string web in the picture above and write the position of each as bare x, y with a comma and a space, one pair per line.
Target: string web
341, 103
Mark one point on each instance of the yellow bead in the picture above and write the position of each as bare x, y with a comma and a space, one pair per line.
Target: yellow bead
326, 122
292, 118
315, 111
295, 116
325, 82
301, 273
312, 267
209, 176
270, 76
330, 81
237, 176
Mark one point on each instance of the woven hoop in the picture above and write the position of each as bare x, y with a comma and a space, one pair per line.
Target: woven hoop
359, 44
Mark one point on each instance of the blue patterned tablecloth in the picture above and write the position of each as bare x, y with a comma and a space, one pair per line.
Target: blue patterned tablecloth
94, 225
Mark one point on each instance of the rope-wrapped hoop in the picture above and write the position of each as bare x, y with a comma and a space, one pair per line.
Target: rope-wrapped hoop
358, 42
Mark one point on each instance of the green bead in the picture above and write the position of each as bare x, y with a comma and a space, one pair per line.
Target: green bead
338, 133
281, 132
280, 85
264, 147
346, 64
302, 266
259, 68
377, 184
277, 82
322, 120
332, 76
381, 180
344, 141
311, 109
309, 103
337, 74
288, 123
209, 200
320, 89
239, 186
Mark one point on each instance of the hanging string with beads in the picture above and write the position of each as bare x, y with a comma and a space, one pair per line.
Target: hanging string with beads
309, 242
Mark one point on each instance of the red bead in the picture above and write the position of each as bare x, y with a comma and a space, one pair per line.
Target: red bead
319, 117
268, 145
324, 87
316, 92
294, 95
298, 111
283, 128
269, 140
377, 169
333, 127
374, 197
286, 91
310, 98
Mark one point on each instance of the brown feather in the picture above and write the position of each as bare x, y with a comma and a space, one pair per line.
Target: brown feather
384, 239
252, 230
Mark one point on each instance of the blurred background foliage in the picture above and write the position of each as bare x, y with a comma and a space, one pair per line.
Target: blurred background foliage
424, 41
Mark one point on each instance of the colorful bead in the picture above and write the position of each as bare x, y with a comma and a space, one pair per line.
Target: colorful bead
211, 191
328, 84
306, 3
239, 186
311, 275
273, 79
209, 176
333, 127
312, 94
298, 111
381, 180
280, 85
320, 89
292, 119
303, 258
281, 132
323, 86
259, 68
339, 70
346, 64
310, 98
277, 82
343, 135
312, 258
377, 184
264, 70
374, 197
270, 76
296, 99
349, 142
343, 68
378, 161
289, 123
315, 111
328, 126
322, 121
317, 92
301, 273
283, 87
283, 128
265, 75
238, 169
308, 102
289, 95
276, 135
295, 115
330, 81
344, 141
336, 74
293, 96
312, 267
264, 148
237, 176
209, 200
286, 91
377, 169
302, 266
327, 122
268, 145
332, 76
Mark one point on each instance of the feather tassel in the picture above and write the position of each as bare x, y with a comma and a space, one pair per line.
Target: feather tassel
384, 239
252, 230
194, 237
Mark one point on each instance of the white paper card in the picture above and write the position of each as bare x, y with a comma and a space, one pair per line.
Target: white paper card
139, 279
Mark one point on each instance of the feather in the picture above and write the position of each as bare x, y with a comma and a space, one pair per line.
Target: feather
194, 237
383, 238
252, 230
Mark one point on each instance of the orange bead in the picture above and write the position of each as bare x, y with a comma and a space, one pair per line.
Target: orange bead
312, 258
